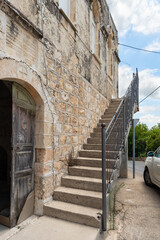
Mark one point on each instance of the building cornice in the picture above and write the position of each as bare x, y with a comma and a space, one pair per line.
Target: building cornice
18, 17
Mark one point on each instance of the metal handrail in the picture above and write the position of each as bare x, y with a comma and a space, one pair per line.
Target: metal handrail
115, 138
114, 117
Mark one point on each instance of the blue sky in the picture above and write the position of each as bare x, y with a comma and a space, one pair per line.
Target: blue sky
138, 24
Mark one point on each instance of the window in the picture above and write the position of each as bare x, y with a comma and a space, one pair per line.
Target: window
65, 5
93, 34
95, 28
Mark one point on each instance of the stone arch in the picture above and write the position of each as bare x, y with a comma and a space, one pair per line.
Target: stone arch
21, 73
17, 71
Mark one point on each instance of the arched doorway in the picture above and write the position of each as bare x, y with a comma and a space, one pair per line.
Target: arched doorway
17, 129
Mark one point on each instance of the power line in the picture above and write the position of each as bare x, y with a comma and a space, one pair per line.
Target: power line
149, 94
140, 49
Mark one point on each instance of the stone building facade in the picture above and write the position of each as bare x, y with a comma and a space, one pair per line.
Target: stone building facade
65, 55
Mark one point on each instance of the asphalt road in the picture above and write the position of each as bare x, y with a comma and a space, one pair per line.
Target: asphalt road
139, 167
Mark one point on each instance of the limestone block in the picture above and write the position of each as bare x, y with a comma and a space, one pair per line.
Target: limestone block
61, 117
68, 118
67, 128
62, 140
44, 155
74, 121
61, 83
62, 106
65, 96
69, 108
68, 87
74, 139
43, 187
75, 111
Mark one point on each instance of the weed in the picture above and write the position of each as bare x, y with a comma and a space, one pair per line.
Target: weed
112, 205
70, 159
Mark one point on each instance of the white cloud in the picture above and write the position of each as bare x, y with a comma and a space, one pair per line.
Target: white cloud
149, 109
141, 16
150, 119
149, 114
148, 81
155, 46
125, 77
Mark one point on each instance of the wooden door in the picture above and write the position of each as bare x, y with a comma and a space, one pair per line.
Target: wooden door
22, 171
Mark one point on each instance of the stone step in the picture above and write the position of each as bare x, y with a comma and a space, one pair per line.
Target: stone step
107, 115
79, 197
97, 154
97, 140
115, 100
99, 129
93, 162
111, 109
113, 106
73, 213
106, 120
89, 184
99, 147
99, 134
96, 134
89, 172
94, 141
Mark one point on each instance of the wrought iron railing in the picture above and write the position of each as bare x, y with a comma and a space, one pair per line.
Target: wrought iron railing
114, 140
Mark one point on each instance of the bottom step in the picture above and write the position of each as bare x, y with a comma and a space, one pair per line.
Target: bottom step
73, 213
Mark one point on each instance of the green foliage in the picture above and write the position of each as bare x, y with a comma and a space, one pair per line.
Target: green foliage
153, 138
145, 140
140, 140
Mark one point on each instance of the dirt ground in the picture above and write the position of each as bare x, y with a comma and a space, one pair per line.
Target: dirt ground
138, 211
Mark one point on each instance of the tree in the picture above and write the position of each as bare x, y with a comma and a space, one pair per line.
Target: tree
153, 138
141, 131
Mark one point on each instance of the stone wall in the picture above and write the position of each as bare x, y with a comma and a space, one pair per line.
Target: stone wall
50, 55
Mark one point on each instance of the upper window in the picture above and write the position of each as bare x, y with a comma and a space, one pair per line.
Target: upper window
93, 34
65, 5
95, 27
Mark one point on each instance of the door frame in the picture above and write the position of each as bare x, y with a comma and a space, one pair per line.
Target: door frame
17, 71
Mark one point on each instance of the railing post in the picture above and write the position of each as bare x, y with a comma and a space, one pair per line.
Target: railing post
132, 92
137, 88
133, 127
124, 120
104, 198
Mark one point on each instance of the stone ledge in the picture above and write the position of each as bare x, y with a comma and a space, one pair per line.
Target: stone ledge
15, 14
68, 20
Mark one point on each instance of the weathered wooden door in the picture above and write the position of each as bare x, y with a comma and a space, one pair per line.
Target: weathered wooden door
22, 170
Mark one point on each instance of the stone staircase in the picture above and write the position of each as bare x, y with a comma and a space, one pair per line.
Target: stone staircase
79, 199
